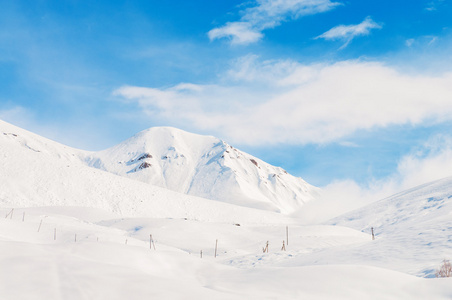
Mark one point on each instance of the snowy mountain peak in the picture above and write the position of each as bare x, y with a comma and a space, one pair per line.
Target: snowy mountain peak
180, 161
204, 166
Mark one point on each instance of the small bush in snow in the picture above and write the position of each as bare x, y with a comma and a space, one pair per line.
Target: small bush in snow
445, 270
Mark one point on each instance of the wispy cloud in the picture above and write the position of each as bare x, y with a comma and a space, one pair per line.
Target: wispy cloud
239, 32
433, 40
303, 104
17, 114
425, 163
428, 162
347, 33
409, 42
268, 14
422, 41
433, 5
80, 135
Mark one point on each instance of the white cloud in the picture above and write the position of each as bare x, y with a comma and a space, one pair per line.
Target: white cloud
80, 134
239, 32
433, 5
301, 103
17, 115
409, 42
422, 41
340, 197
432, 161
251, 70
433, 39
267, 14
347, 33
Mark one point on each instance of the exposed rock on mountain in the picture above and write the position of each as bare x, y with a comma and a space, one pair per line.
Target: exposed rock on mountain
204, 166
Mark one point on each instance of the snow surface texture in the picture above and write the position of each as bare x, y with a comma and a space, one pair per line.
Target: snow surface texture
201, 166
74, 255
39, 172
413, 229
206, 167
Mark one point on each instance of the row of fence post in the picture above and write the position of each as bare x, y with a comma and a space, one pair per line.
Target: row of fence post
152, 243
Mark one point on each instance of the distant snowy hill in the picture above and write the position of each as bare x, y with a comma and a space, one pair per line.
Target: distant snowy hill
39, 172
419, 206
414, 224
204, 166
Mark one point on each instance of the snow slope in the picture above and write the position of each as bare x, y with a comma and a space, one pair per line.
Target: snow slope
38, 172
413, 229
204, 166
111, 259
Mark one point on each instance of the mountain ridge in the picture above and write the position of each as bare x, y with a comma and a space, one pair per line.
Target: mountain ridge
413, 223
170, 158
38, 172
204, 166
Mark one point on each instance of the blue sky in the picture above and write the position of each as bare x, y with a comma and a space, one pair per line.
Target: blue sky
333, 91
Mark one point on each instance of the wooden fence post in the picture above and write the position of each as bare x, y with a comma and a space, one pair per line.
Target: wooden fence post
151, 242
10, 214
266, 248
40, 225
287, 235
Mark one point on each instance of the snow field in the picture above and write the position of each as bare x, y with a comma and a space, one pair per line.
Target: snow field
35, 266
413, 230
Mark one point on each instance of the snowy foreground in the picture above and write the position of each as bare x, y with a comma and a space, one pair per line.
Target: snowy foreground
97, 255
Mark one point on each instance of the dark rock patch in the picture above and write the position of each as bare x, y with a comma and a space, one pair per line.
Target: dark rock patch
254, 162
144, 156
144, 166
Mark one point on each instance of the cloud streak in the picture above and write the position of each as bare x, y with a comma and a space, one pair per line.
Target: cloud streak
267, 14
433, 5
347, 33
426, 163
286, 102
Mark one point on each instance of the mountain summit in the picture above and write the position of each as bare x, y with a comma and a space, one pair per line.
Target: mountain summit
204, 166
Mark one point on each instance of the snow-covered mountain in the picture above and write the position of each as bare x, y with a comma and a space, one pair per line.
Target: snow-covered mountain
159, 163
36, 171
204, 166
